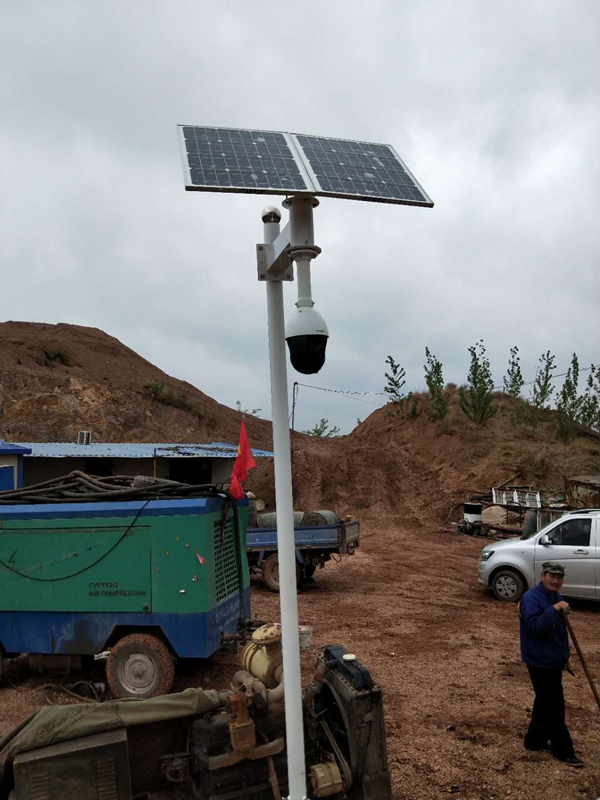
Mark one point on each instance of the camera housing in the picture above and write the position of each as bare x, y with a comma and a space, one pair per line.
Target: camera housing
306, 335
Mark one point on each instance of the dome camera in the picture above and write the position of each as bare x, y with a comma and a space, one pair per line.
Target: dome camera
306, 334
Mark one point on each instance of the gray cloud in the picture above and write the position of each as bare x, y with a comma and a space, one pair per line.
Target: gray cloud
494, 108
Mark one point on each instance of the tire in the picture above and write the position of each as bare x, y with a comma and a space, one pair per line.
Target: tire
140, 666
309, 571
508, 586
270, 572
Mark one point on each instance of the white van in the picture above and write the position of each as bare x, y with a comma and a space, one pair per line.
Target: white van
511, 567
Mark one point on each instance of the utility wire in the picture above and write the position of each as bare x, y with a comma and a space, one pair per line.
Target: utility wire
557, 375
351, 394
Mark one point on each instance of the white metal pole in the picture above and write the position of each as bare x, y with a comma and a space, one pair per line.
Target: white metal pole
302, 233
285, 529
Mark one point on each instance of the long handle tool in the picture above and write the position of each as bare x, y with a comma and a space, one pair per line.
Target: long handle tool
588, 674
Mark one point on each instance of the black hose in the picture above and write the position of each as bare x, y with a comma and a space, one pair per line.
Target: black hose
77, 487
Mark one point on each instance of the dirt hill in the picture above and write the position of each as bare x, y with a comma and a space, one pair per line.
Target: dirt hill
58, 379
416, 468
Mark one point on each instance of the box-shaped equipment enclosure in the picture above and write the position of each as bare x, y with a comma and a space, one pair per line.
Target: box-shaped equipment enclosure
74, 577
90, 768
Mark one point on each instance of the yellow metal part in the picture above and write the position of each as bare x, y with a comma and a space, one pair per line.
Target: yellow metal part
262, 656
326, 779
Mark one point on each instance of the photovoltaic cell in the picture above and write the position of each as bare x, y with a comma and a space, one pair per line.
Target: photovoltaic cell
369, 171
267, 162
241, 160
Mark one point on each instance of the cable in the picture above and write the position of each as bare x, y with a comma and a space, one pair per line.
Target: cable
349, 395
84, 569
294, 398
77, 487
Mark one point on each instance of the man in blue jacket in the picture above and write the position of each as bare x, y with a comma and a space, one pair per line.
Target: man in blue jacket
545, 650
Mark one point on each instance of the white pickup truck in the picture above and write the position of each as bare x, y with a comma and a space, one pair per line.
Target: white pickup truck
511, 567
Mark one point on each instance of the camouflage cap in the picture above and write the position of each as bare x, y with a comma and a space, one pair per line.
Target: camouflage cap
553, 566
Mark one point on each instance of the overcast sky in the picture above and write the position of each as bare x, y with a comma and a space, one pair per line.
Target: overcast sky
493, 106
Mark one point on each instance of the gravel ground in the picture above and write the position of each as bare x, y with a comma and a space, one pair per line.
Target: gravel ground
446, 654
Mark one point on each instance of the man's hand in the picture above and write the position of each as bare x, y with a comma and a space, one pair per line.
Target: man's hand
562, 606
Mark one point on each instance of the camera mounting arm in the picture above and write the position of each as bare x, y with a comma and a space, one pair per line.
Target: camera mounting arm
294, 243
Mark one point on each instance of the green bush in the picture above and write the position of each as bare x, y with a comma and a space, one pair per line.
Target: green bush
59, 355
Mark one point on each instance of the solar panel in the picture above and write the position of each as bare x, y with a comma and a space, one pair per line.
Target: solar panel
228, 160
267, 162
362, 170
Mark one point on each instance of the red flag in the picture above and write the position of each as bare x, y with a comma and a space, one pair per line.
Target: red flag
244, 462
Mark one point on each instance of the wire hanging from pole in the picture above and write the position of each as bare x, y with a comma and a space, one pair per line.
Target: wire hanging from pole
294, 396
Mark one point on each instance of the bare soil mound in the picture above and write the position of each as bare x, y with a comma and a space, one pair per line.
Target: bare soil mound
420, 468
58, 379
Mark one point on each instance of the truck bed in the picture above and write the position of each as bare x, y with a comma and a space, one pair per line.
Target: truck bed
342, 538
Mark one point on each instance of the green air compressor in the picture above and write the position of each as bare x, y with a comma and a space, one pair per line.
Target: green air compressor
150, 579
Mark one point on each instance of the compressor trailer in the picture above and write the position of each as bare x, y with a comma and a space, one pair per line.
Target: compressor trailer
152, 579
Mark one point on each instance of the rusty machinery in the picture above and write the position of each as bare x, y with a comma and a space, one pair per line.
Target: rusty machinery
237, 749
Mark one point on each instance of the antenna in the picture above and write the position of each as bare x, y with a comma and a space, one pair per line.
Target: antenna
302, 168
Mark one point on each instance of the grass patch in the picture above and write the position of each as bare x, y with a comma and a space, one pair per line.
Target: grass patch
157, 392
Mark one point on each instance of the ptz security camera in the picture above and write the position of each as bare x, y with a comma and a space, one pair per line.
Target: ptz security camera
306, 334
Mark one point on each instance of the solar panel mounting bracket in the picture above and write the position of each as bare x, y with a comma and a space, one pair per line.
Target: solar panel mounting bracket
275, 261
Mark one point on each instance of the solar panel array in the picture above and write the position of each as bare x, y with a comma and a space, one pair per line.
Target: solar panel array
372, 171
238, 160
266, 162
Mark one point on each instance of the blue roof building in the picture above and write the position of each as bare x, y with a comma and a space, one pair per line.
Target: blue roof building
11, 465
188, 462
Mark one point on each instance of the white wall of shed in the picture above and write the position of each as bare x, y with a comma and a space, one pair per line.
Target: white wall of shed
222, 469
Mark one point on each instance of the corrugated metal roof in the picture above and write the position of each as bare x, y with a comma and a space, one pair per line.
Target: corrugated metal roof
10, 449
135, 450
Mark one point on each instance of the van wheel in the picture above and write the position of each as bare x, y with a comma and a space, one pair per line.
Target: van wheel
270, 572
508, 585
140, 666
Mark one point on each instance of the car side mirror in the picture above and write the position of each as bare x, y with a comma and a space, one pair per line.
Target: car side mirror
544, 539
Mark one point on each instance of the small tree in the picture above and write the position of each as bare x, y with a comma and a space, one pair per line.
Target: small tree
396, 378
569, 403
322, 430
513, 380
475, 399
435, 386
589, 410
542, 387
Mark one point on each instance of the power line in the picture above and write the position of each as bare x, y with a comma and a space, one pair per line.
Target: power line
348, 394
351, 395
558, 375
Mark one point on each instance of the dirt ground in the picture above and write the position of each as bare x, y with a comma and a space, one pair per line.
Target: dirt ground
446, 654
